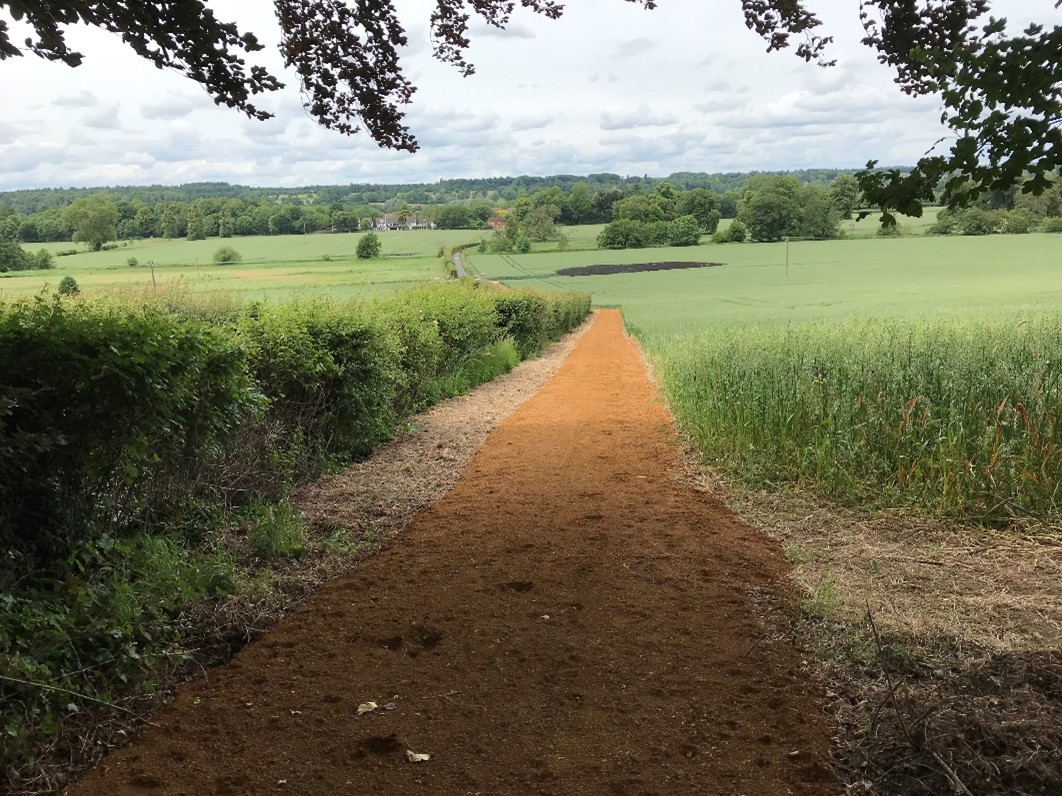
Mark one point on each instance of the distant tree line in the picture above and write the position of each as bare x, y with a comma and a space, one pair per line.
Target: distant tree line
765, 206
1005, 212
497, 190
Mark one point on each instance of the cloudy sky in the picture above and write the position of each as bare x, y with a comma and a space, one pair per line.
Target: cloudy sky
608, 87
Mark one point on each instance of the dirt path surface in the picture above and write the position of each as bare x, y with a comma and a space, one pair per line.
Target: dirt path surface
569, 619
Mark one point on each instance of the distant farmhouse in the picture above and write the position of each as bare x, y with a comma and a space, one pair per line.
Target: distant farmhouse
391, 221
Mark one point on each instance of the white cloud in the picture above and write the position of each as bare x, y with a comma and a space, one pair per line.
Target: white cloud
168, 108
608, 87
642, 116
106, 118
632, 47
532, 123
82, 99
514, 30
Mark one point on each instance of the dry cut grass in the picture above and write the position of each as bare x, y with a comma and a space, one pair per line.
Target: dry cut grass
939, 645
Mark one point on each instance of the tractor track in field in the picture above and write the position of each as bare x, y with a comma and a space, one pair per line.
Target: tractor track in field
572, 618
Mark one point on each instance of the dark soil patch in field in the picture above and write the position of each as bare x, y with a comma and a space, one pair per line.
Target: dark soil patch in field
630, 268
570, 619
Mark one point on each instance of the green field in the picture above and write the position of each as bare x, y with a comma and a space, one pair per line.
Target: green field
272, 266
914, 371
914, 277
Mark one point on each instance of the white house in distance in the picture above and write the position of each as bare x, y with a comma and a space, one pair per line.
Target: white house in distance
390, 221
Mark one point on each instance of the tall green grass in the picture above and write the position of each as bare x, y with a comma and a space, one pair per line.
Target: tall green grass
956, 417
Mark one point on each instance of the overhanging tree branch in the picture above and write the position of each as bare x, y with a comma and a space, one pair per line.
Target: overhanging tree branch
1001, 93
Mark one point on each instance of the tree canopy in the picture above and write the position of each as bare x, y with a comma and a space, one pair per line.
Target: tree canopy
1001, 91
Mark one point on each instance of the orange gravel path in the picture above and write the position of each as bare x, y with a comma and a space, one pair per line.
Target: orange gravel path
570, 619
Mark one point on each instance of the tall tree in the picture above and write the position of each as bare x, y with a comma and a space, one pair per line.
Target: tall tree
94, 220
771, 208
703, 205
844, 193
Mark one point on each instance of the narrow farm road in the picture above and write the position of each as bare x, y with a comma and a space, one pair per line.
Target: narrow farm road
569, 619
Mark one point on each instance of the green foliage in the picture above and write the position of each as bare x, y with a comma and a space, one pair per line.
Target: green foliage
277, 531
736, 232
978, 221
132, 262
534, 319
540, 223
630, 234
959, 418
102, 626
455, 217
777, 207
42, 260
368, 246
329, 373
1002, 96
703, 205
68, 286
226, 255
844, 195
93, 219
497, 358
684, 231
127, 432
12, 257
107, 414
523, 244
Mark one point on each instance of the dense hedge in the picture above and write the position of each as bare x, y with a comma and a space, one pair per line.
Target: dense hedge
130, 430
114, 415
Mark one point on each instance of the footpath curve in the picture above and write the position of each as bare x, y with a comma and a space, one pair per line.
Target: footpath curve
569, 619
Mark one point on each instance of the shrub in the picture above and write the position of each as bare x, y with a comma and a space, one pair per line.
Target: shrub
975, 221
1016, 222
132, 262
524, 315
68, 286
227, 254
737, 232
523, 244
622, 234
42, 260
12, 257
1052, 224
684, 231
277, 531
368, 246
330, 374
107, 415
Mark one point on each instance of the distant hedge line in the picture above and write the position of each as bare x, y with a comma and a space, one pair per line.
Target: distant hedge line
115, 415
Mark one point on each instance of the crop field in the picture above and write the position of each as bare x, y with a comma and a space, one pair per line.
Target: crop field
900, 371
913, 277
271, 266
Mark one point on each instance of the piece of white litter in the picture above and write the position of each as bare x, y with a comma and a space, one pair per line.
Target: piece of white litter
545, 616
366, 707
414, 757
